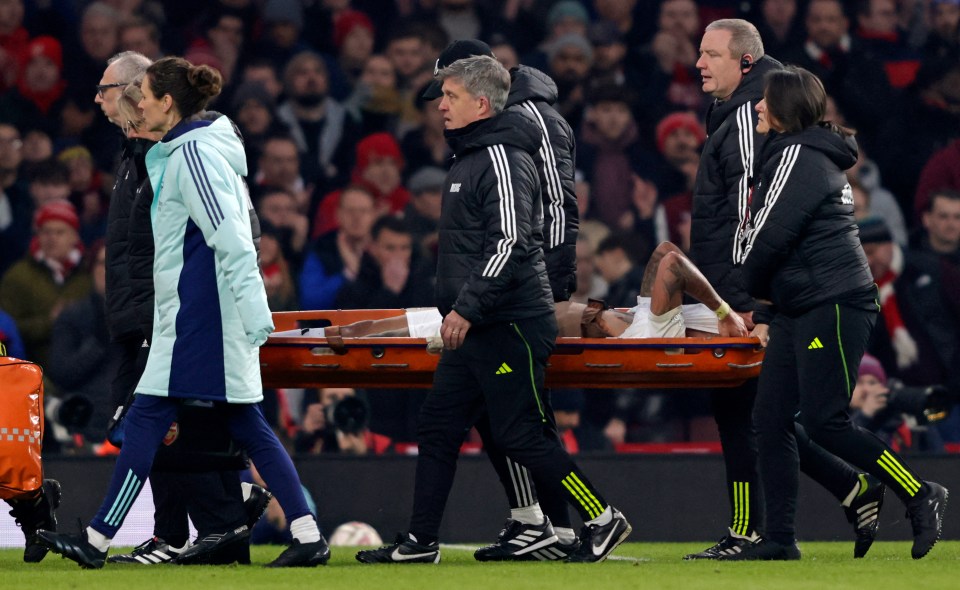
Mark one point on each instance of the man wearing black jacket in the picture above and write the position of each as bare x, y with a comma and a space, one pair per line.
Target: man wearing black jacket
533, 94
732, 64
499, 327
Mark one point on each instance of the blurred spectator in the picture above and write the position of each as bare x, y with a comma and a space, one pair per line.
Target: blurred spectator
98, 40
591, 229
254, 111
679, 139
465, 19
379, 166
38, 97
262, 71
47, 183
407, 50
221, 44
353, 36
635, 30
621, 266
942, 171
779, 26
505, 53
37, 148
35, 290
590, 285
569, 59
609, 55
375, 101
855, 79
13, 42
140, 35
323, 132
928, 120
278, 207
422, 213
941, 228
610, 153
279, 165
334, 258
339, 422
880, 37
566, 17
15, 206
277, 279
426, 145
917, 336
943, 39
81, 363
10, 336
280, 38
391, 274
85, 192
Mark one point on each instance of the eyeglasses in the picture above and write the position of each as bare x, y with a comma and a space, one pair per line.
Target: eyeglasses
103, 87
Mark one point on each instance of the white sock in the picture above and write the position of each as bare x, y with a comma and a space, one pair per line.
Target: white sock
97, 539
246, 489
603, 519
565, 535
305, 530
528, 514
853, 493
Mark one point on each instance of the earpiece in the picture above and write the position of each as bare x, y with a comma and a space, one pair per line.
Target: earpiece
745, 64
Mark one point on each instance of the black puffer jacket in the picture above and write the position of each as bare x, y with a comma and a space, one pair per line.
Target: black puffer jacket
533, 93
490, 264
121, 313
803, 247
722, 187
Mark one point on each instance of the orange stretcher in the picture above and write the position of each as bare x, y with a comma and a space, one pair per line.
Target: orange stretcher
576, 362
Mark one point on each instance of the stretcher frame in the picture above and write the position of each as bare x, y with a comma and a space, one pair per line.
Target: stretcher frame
378, 362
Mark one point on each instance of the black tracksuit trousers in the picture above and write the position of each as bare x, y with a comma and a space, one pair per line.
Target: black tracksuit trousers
499, 369
811, 366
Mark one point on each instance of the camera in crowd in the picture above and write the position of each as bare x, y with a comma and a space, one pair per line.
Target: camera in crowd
350, 415
926, 403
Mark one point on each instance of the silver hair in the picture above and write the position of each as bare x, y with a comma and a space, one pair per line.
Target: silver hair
130, 65
128, 105
481, 76
744, 37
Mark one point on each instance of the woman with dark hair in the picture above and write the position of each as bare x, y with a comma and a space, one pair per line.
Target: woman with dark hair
211, 313
801, 251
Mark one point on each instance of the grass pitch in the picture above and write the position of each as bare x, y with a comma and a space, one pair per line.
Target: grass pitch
633, 565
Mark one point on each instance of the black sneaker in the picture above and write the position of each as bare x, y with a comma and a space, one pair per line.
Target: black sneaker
150, 552
926, 516
34, 514
519, 542
762, 550
404, 550
727, 545
256, 504
218, 549
74, 547
597, 541
864, 513
303, 554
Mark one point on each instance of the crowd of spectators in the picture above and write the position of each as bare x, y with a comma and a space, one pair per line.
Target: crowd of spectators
346, 164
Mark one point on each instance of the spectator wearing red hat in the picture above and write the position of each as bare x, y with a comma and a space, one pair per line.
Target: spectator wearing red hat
353, 36
679, 137
38, 97
35, 289
379, 167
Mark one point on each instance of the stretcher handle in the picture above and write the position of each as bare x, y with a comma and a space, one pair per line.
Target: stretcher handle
674, 365
747, 366
603, 366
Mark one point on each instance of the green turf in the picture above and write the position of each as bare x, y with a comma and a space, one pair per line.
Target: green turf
655, 566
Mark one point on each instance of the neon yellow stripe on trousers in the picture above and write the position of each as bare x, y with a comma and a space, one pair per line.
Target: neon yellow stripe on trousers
741, 507
586, 491
894, 468
576, 494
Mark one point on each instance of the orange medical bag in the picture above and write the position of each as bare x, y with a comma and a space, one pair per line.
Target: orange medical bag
21, 426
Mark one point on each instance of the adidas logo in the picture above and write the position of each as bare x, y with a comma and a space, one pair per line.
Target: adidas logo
815, 344
504, 369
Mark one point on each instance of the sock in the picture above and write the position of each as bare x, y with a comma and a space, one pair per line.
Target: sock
753, 536
305, 530
98, 539
422, 539
246, 489
857, 487
605, 517
528, 514
566, 536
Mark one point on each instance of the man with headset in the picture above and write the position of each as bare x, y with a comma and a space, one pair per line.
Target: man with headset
732, 65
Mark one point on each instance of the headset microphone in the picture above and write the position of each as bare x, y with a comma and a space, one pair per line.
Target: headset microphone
745, 65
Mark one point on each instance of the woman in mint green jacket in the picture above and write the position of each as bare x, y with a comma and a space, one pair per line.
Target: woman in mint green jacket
210, 315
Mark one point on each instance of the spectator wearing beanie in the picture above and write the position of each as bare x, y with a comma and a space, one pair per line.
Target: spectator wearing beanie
38, 98
679, 137
35, 289
353, 36
378, 168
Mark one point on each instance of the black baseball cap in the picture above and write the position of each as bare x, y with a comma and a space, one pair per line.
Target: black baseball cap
456, 51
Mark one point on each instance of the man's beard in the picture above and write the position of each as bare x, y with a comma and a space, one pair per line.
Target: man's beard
310, 100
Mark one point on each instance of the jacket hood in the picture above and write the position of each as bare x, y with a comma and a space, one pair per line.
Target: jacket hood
528, 83
841, 150
750, 88
219, 133
508, 128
